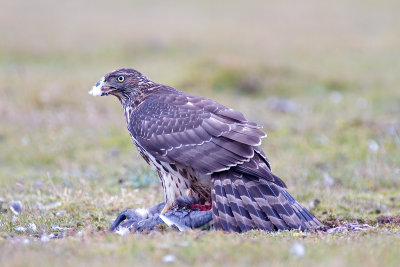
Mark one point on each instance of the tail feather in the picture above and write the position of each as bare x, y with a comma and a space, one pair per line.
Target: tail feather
259, 217
216, 217
271, 205
229, 211
298, 209
241, 215
228, 220
245, 203
242, 202
281, 205
309, 219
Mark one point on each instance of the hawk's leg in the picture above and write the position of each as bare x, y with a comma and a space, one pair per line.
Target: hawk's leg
180, 182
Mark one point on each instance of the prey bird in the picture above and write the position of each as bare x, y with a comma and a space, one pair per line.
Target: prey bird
204, 150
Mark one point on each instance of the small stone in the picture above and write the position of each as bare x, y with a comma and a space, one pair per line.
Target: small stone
45, 238
32, 228
169, 258
328, 180
373, 146
25, 141
324, 140
26, 241
184, 244
61, 213
298, 250
57, 228
16, 207
336, 97
20, 229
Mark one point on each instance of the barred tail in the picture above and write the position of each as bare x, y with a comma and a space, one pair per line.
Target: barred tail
242, 202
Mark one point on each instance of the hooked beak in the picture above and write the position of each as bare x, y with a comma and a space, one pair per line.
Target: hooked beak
102, 88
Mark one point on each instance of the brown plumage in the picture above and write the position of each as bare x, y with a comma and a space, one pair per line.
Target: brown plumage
203, 149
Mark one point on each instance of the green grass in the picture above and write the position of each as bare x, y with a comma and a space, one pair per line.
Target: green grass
68, 157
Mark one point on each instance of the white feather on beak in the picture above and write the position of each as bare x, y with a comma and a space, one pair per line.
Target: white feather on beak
96, 90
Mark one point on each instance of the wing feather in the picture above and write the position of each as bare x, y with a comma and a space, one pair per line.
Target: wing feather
193, 131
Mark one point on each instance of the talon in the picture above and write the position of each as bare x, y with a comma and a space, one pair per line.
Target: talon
166, 208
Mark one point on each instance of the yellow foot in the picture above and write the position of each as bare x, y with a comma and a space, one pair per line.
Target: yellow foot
166, 208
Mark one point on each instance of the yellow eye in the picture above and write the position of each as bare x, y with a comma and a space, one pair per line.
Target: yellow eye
120, 79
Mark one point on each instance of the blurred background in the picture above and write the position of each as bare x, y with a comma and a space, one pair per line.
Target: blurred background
322, 77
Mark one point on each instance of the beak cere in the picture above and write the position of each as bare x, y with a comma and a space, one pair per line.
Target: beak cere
96, 90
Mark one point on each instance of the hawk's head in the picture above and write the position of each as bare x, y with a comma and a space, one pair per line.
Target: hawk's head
121, 83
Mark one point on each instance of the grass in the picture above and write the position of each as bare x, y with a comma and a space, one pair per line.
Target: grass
323, 80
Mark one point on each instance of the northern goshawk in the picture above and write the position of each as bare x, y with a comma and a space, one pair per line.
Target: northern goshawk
207, 151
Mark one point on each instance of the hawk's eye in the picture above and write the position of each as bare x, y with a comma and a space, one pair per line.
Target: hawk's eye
120, 79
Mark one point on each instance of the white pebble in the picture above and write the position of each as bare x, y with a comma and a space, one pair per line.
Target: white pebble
32, 227
45, 238
61, 213
20, 229
56, 227
336, 97
324, 140
298, 250
184, 244
25, 141
373, 146
169, 258
328, 180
